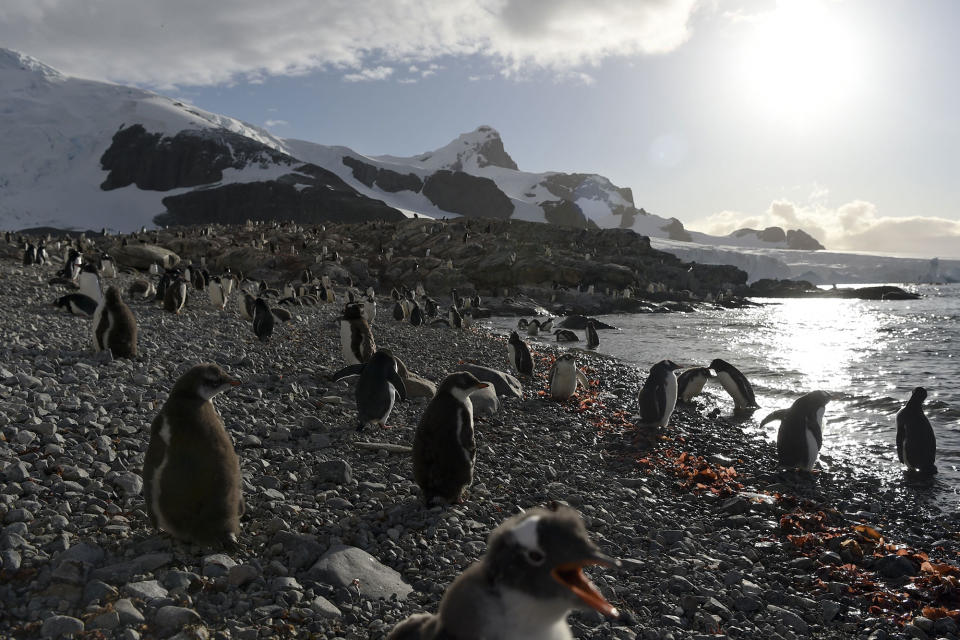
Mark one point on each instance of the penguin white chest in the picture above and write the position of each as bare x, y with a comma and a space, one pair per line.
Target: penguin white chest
464, 421
346, 339
693, 388
731, 387
100, 341
164, 434
525, 617
813, 449
512, 355
670, 385
564, 382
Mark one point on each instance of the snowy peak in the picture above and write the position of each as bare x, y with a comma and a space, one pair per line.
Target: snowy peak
471, 151
16, 61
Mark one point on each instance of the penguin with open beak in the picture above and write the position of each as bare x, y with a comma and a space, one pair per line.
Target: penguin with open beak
524, 586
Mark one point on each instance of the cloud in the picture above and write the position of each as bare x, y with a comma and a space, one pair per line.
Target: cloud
181, 43
365, 75
276, 123
854, 226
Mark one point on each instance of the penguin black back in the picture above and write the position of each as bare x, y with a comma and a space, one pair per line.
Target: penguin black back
444, 449
593, 340
116, 327
262, 320
735, 383
916, 441
191, 473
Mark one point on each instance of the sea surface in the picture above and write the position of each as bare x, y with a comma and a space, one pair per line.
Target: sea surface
869, 355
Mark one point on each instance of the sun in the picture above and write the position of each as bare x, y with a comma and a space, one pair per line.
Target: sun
799, 63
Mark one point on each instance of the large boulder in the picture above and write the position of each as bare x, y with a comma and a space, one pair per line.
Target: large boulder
342, 564
141, 256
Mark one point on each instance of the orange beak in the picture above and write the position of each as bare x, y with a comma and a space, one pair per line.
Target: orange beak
571, 575
234, 382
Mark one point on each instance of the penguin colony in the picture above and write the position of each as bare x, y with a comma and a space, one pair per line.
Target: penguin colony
192, 478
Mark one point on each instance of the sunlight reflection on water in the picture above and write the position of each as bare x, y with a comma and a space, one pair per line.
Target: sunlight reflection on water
867, 354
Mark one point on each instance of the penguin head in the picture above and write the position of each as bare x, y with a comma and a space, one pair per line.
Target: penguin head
542, 553
919, 395
383, 360
352, 311
204, 380
567, 359
112, 297
812, 401
719, 365
514, 337
461, 384
665, 366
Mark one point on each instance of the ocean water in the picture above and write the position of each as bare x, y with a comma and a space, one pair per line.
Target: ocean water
869, 355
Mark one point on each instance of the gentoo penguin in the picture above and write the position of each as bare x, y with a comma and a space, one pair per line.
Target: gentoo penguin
444, 449
356, 339
229, 281
564, 377
546, 325
216, 293
89, 282
433, 309
454, 318
475, 301
522, 324
377, 388
108, 269
593, 340
658, 396
370, 309
247, 306
533, 327
175, 295
114, 326
262, 320
565, 335
466, 319
519, 354
398, 313
191, 474
416, 315
523, 587
736, 385
142, 289
42, 257
77, 304
801, 430
29, 255
690, 382
916, 442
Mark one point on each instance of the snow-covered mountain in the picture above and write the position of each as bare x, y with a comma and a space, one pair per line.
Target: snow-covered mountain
84, 154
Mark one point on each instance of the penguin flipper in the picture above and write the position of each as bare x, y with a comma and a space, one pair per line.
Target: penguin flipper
779, 414
582, 379
901, 436
350, 370
397, 382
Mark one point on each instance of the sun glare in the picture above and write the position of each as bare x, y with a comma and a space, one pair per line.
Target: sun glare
800, 63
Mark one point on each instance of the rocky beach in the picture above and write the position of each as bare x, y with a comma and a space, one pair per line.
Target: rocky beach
336, 541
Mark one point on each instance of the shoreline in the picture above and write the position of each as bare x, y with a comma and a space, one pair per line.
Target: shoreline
697, 560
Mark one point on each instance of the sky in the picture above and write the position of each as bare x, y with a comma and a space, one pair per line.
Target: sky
840, 117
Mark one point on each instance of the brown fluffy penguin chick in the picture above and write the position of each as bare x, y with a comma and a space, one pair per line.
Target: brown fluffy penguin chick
114, 326
444, 449
191, 474
530, 578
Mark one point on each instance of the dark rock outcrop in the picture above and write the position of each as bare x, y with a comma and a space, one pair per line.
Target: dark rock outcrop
188, 159
800, 239
492, 153
676, 231
385, 179
467, 195
313, 195
566, 213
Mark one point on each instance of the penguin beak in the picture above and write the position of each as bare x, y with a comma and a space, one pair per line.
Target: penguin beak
233, 382
711, 373
571, 575
477, 387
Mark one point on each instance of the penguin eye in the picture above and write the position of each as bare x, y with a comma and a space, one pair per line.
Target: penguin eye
535, 557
